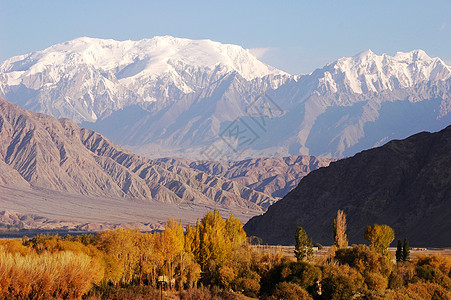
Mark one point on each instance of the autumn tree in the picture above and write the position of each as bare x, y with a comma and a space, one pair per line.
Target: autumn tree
380, 237
340, 238
304, 246
214, 243
121, 254
235, 232
170, 245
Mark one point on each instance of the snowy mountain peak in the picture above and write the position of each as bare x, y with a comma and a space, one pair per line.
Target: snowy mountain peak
87, 78
366, 54
148, 57
369, 72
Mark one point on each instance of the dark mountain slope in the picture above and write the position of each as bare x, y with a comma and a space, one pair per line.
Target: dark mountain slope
405, 184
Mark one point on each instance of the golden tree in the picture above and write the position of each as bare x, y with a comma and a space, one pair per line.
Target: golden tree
380, 237
214, 243
170, 246
340, 238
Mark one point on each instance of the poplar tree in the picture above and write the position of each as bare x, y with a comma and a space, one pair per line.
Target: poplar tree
340, 238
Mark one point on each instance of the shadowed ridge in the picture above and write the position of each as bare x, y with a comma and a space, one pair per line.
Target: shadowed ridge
405, 184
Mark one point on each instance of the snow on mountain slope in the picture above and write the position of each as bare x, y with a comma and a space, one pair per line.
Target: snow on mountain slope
167, 96
367, 72
362, 101
86, 78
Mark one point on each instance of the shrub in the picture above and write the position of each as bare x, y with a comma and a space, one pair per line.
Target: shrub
434, 268
60, 275
375, 281
290, 291
341, 282
426, 290
364, 259
304, 274
395, 281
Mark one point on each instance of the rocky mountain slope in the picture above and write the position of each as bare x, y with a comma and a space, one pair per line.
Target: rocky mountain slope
274, 176
405, 184
42, 152
172, 97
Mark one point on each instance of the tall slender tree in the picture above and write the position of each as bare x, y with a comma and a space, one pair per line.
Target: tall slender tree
399, 252
340, 238
406, 250
304, 245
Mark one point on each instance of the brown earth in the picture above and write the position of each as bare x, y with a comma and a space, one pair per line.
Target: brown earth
37, 150
274, 176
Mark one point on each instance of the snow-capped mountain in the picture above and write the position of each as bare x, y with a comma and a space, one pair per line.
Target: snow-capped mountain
367, 72
86, 79
167, 96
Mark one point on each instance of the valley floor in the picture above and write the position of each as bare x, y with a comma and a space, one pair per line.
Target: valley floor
43, 209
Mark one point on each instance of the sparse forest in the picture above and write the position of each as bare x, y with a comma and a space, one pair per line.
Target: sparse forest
213, 260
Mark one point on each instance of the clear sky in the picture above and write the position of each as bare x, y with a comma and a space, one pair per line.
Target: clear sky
295, 36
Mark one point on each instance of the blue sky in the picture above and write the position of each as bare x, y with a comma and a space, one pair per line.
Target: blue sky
295, 36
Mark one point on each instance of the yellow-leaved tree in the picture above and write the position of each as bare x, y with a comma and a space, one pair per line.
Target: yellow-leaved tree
170, 245
380, 237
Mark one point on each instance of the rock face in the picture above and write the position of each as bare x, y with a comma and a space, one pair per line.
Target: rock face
172, 97
274, 176
405, 184
39, 151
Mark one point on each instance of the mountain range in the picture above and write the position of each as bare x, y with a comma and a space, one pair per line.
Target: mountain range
50, 167
173, 97
405, 184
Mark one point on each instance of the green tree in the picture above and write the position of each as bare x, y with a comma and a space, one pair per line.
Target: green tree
304, 245
406, 251
340, 238
399, 252
380, 237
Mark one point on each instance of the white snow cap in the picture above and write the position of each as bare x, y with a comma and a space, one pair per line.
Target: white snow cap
148, 57
369, 72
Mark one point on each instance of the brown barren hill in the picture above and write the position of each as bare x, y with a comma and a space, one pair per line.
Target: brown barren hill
405, 184
39, 151
275, 176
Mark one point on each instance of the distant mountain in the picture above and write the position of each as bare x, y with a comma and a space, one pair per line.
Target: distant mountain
87, 79
274, 176
172, 97
40, 152
405, 184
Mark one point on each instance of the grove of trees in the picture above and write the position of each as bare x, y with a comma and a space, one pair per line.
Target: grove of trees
213, 260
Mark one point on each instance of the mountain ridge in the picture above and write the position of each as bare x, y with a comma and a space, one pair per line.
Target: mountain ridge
201, 90
40, 151
405, 184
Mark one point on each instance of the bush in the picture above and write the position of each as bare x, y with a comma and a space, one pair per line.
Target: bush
304, 274
435, 269
196, 294
395, 281
427, 290
364, 259
290, 291
248, 286
375, 281
341, 282
60, 275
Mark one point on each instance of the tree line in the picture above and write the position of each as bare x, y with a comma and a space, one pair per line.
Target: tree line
213, 259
